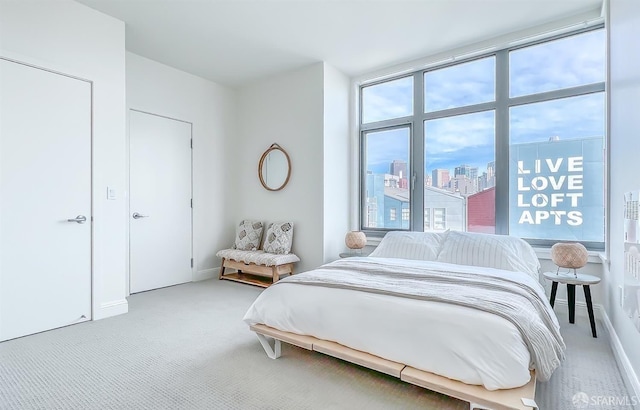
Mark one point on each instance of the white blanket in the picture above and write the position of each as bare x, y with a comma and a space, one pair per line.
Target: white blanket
459, 342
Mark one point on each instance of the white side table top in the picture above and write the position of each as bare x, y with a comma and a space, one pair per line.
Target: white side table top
571, 279
353, 254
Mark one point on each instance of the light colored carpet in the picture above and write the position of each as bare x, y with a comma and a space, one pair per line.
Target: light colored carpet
185, 347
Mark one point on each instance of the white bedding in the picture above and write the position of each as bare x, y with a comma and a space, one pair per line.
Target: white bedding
461, 343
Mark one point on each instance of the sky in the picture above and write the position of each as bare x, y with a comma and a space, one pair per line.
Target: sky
469, 139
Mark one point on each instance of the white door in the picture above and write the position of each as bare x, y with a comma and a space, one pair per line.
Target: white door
45, 180
160, 201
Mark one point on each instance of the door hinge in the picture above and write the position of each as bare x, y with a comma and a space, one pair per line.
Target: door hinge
192, 262
191, 203
191, 143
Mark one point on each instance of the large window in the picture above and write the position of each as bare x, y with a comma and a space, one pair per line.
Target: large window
510, 142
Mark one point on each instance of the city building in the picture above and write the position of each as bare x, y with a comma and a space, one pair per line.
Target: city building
463, 185
440, 178
463, 170
556, 189
396, 208
481, 211
444, 210
398, 168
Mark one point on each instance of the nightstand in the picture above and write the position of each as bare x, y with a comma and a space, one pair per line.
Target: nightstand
571, 281
351, 255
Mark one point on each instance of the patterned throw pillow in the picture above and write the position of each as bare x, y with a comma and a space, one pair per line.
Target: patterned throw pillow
279, 238
248, 235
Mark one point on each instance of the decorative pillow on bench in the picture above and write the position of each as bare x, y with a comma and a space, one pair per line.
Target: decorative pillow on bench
248, 235
279, 238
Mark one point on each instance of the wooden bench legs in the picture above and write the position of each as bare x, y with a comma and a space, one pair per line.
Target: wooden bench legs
221, 269
256, 271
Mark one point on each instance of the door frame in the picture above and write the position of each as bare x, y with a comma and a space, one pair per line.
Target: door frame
128, 171
92, 281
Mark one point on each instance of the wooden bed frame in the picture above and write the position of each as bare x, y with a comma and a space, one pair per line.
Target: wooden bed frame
521, 398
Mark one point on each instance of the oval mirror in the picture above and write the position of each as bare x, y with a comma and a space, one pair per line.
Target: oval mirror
274, 168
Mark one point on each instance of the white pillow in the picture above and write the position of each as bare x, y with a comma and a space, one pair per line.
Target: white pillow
491, 251
422, 246
279, 238
248, 235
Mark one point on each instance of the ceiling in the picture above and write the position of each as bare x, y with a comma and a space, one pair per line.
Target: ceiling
233, 42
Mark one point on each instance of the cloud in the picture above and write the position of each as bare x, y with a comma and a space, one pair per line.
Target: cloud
382, 147
575, 117
567, 62
393, 99
470, 139
460, 85
467, 131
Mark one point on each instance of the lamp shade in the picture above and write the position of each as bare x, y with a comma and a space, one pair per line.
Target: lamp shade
569, 255
355, 240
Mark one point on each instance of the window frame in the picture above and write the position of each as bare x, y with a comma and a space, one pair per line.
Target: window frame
501, 106
377, 231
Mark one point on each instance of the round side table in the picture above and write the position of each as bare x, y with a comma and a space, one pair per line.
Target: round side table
571, 281
351, 255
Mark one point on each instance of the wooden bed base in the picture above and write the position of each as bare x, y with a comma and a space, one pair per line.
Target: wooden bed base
521, 398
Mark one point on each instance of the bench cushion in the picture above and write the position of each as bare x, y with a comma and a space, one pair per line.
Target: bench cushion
257, 257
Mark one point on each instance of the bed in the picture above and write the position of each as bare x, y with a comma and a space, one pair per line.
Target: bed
459, 313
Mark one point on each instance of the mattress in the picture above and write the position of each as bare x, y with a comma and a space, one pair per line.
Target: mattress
458, 342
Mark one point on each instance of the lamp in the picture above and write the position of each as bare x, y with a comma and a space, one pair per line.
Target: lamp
569, 255
355, 240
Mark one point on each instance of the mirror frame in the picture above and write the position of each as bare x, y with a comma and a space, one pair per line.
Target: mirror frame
274, 147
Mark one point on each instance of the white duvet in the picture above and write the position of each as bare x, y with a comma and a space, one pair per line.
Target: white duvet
457, 342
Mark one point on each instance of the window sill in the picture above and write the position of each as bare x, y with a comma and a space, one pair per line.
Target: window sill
373, 240
596, 257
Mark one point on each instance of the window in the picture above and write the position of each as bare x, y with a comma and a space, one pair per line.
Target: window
427, 219
391, 99
439, 219
556, 183
510, 142
460, 85
386, 155
568, 62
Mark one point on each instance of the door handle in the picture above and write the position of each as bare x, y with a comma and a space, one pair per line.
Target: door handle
78, 219
138, 216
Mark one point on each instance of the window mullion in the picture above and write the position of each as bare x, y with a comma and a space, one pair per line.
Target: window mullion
557, 94
502, 143
417, 156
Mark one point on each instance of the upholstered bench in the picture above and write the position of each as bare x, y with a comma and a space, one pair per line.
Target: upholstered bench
253, 263
258, 263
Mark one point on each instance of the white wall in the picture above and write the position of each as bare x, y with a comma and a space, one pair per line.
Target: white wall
68, 37
163, 90
306, 111
624, 60
285, 109
336, 161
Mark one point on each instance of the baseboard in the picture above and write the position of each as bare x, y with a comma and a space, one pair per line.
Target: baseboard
622, 360
626, 369
205, 274
113, 308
